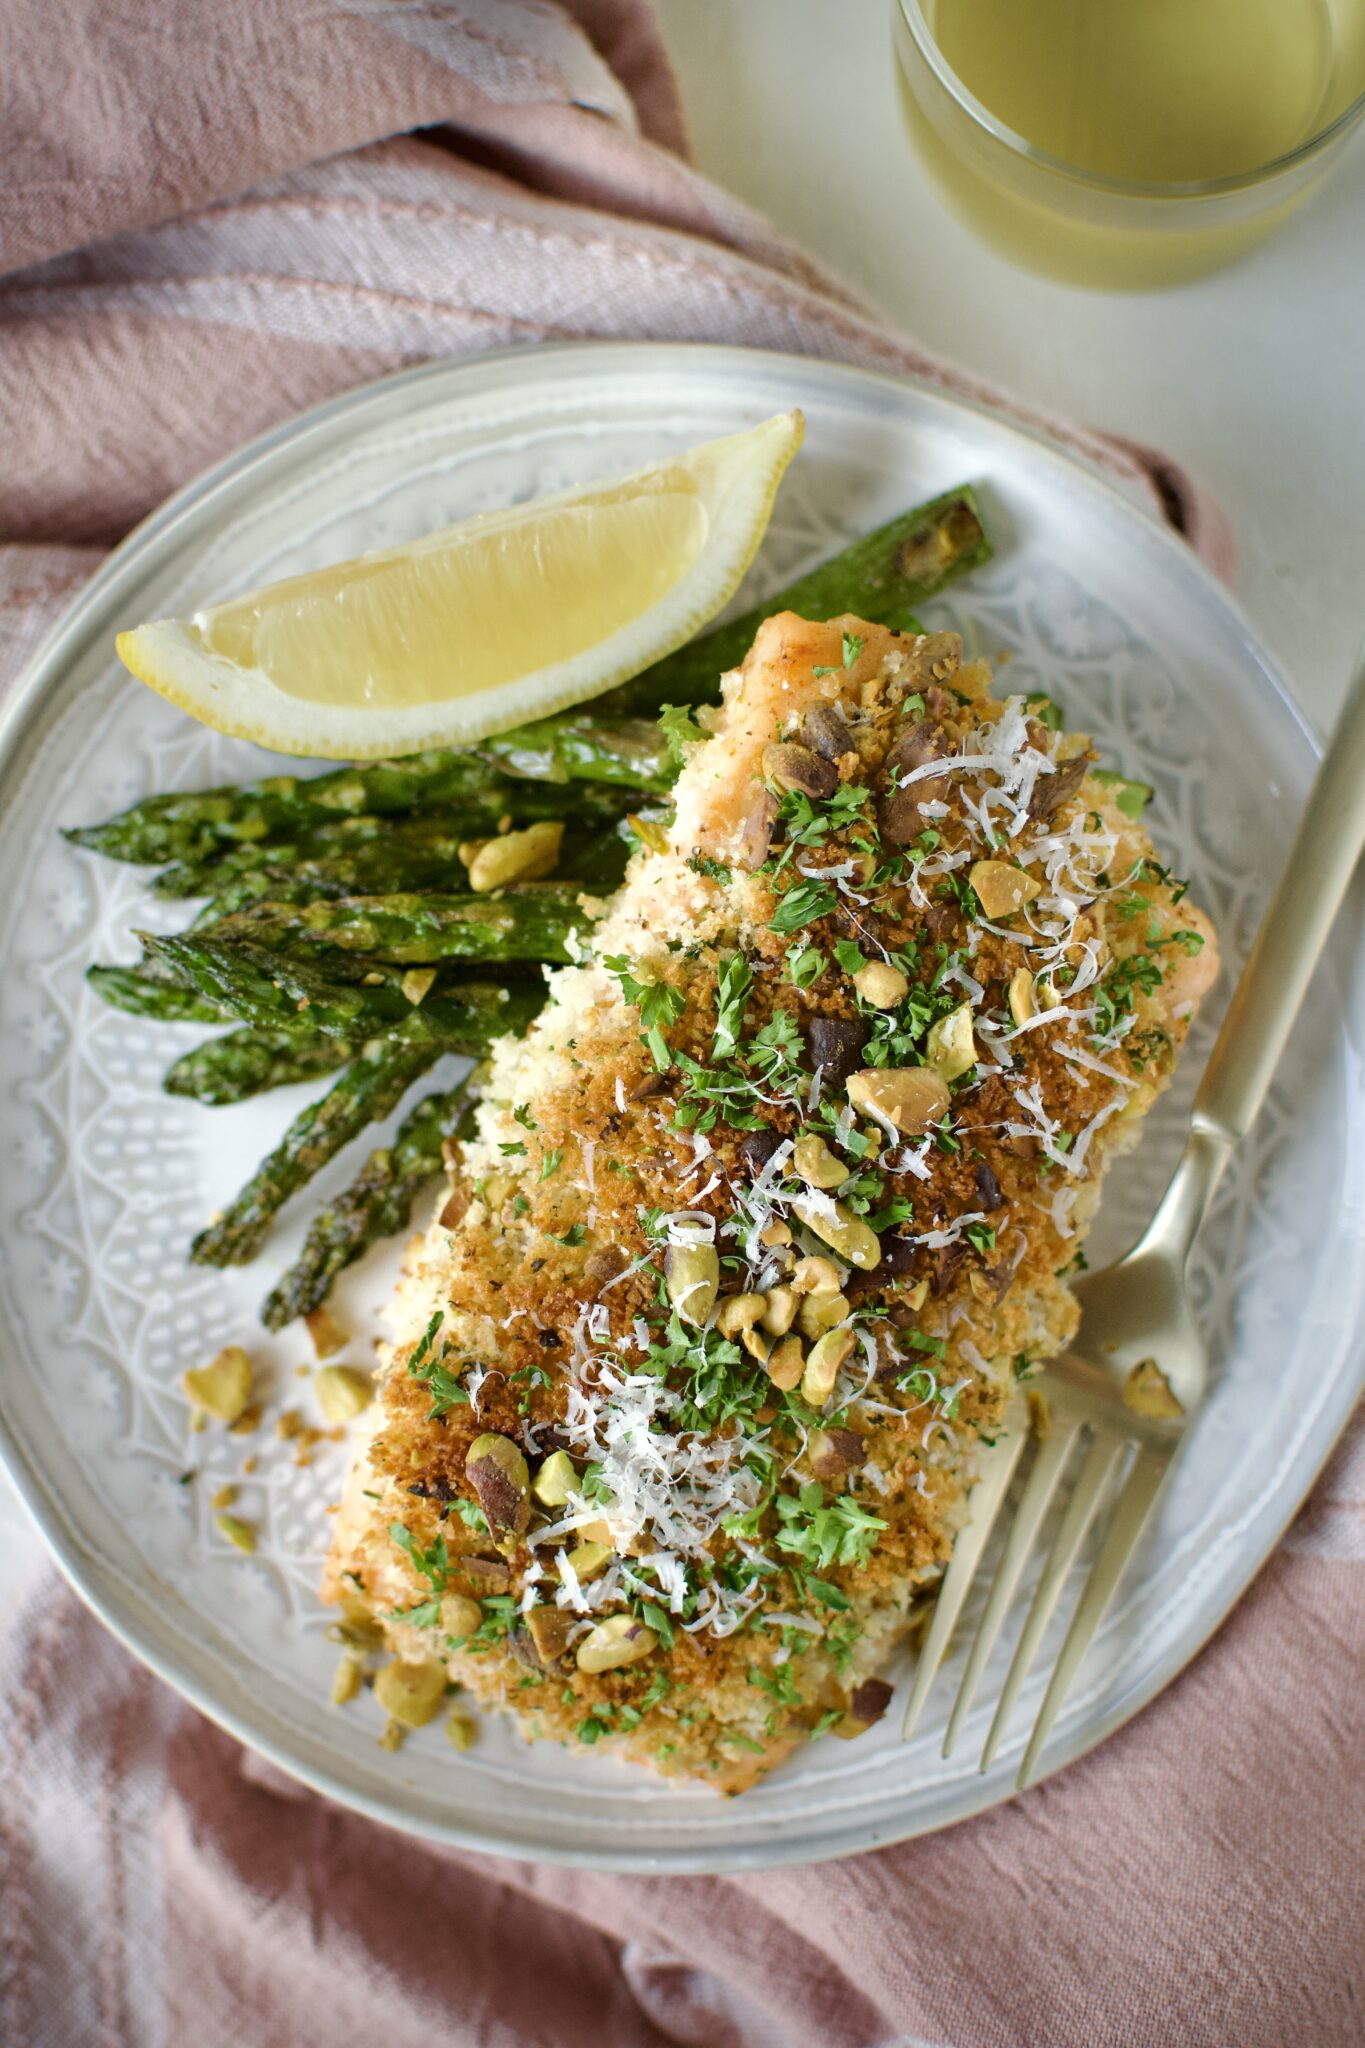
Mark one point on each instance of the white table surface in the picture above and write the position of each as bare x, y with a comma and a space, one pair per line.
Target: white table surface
1254, 378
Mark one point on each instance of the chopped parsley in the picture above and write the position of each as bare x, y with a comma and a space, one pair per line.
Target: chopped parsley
431, 1564
820, 1535
680, 731
428, 1365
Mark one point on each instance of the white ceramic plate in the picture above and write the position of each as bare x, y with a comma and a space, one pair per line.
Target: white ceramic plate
104, 1177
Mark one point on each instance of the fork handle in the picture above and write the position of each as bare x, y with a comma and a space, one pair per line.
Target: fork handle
1275, 979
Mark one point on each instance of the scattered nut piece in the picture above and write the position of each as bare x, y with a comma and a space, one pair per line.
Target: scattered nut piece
416, 983
950, 1045
224, 1497
288, 1425
916, 1296
779, 1311
773, 1235
785, 1364
869, 1702
833, 1453
345, 1681
223, 1387
837, 1226
789, 765
556, 1480
881, 984
815, 1164
393, 1736
1147, 1391
411, 1694
1001, 889
618, 1640
588, 1559
526, 856
550, 1629
739, 1312
1023, 1008
816, 1276
356, 1635
487, 1574
822, 1365
342, 1391
910, 1100
496, 1469
755, 1342
692, 1277
821, 1310
239, 1534
326, 1332
462, 1730
460, 1616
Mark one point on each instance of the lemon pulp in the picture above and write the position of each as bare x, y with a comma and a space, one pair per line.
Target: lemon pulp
425, 626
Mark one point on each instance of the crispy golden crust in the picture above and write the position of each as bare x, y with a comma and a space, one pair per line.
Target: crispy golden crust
544, 1268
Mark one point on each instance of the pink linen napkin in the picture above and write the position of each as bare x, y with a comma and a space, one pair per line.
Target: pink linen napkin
210, 217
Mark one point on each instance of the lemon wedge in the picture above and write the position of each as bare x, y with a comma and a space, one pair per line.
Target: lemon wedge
464, 633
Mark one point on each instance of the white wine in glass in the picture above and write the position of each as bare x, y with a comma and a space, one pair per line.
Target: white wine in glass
1129, 141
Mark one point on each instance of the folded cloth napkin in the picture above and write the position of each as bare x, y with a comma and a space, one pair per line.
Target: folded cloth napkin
210, 217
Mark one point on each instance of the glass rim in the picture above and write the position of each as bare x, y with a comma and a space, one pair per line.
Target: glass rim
912, 14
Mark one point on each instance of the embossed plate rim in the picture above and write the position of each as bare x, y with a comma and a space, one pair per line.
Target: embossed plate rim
126, 1609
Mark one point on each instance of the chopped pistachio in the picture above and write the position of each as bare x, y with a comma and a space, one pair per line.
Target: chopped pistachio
1023, 1008
1002, 889
462, 1730
815, 1164
740, 1312
525, 856
692, 1277
345, 1681
618, 1640
555, 1480
417, 983
411, 1694
822, 1365
1147, 1391
588, 1559
950, 1045
910, 1100
239, 1534
223, 1387
821, 1310
326, 1332
342, 1391
881, 984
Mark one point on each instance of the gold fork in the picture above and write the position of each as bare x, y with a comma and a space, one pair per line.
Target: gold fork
1137, 1372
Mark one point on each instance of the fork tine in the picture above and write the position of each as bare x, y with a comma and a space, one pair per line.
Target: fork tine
1130, 1512
989, 1491
1028, 1516
1099, 1464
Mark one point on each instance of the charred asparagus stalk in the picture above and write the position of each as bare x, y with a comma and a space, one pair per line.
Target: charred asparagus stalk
332, 811
244, 1063
377, 1204
369, 1088
528, 923
268, 990
140, 994
884, 577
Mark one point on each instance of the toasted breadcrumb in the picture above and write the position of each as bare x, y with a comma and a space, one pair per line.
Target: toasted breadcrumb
634, 1169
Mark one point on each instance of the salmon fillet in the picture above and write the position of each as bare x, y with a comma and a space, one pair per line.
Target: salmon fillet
766, 1217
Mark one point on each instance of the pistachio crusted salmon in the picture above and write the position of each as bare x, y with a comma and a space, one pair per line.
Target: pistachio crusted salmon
765, 1215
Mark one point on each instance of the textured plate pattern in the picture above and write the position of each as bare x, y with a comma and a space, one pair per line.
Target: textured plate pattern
103, 1177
